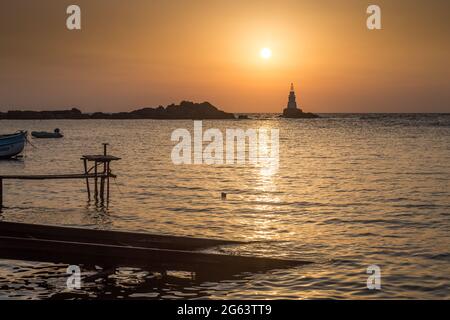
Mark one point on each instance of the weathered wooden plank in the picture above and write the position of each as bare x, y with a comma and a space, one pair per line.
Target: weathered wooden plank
50, 176
123, 238
211, 265
100, 158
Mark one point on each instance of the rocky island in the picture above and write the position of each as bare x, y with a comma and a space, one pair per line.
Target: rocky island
185, 110
298, 114
291, 111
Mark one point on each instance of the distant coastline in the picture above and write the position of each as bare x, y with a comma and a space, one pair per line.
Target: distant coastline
185, 110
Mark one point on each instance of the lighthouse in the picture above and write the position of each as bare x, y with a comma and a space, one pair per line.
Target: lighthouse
292, 103
292, 111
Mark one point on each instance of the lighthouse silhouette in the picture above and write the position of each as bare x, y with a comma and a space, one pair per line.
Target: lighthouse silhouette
292, 103
293, 111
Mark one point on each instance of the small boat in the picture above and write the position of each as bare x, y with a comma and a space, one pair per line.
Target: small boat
12, 144
47, 135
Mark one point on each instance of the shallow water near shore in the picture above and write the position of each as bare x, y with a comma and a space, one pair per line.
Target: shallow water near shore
350, 191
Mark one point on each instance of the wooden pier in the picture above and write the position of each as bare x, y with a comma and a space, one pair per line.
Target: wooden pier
113, 249
101, 175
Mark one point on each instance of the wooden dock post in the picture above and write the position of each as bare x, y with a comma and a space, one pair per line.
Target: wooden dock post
95, 181
102, 187
106, 169
87, 179
102, 179
107, 181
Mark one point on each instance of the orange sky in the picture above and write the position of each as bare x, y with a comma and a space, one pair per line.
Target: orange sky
131, 54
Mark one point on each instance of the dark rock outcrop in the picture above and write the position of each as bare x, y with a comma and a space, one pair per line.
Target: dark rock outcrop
74, 113
298, 114
185, 110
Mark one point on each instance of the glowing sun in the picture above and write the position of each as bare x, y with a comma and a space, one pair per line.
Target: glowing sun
266, 53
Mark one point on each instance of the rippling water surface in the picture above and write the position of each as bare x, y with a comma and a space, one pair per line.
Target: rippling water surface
350, 191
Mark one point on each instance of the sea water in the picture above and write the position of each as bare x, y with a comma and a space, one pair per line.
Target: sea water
349, 192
